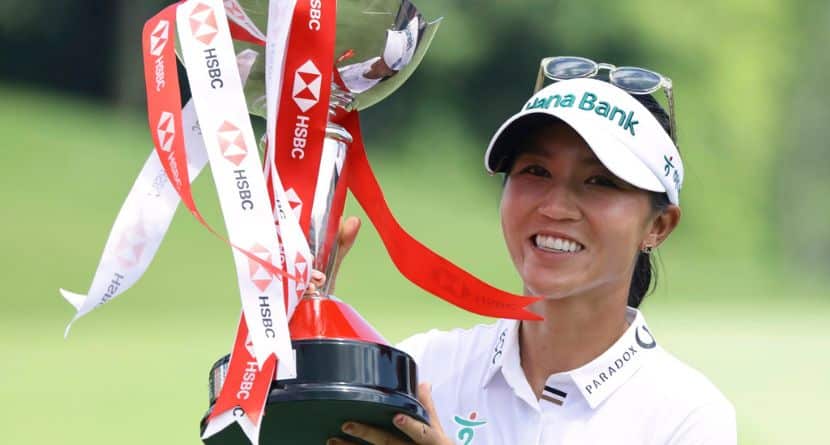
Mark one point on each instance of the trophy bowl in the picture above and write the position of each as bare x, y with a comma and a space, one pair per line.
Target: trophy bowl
345, 369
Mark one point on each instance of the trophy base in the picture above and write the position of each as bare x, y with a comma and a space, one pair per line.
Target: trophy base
337, 381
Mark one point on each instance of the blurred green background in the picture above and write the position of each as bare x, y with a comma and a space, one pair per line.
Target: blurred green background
743, 294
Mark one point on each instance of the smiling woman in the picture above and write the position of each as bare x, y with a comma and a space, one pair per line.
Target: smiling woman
586, 198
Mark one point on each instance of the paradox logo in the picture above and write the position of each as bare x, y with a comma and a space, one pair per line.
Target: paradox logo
307, 82
645, 345
166, 130
203, 23
232, 143
159, 37
294, 202
259, 275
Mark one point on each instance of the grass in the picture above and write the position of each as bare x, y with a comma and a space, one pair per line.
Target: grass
135, 370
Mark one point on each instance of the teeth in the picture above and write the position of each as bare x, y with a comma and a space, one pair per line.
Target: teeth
557, 244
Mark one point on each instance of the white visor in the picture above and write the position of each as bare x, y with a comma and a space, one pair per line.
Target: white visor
622, 133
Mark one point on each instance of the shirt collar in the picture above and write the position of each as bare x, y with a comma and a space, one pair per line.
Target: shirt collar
597, 379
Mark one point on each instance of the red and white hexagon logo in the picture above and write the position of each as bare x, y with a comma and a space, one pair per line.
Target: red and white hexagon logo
307, 82
232, 143
294, 202
159, 37
131, 245
166, 130
234, 11
249, 346
203, 23
301, 269
260, 276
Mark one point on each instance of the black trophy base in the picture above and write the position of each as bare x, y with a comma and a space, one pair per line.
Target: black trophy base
337, 381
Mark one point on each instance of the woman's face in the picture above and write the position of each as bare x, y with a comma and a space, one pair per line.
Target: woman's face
571, 226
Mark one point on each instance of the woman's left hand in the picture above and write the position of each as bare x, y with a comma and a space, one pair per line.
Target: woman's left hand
419, 433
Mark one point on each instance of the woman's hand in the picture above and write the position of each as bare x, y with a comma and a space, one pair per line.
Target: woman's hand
418, 432
346, 236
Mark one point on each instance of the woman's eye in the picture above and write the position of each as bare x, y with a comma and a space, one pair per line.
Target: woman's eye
602, 181
535, 170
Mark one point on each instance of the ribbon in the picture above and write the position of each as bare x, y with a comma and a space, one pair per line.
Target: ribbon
146, 214
206, 43
244, 391
303, 107
415, 261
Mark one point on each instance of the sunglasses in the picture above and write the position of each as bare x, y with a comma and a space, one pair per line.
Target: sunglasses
629, 78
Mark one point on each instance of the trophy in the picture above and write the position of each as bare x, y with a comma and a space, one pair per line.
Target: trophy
298, 379
345, 369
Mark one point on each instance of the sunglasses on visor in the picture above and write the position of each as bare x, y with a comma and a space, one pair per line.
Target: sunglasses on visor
632, 79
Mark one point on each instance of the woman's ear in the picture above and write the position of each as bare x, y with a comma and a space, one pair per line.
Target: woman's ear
661, 226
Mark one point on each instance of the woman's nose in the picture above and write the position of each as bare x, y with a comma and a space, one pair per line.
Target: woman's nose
560, 203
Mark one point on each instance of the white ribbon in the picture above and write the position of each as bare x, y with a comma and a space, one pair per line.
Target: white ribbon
144, 217
297, 255
238, 16
237, 172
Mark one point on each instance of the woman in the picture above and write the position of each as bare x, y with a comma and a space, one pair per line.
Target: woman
592, 180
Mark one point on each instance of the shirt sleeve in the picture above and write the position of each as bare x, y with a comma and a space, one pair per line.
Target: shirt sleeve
713, 423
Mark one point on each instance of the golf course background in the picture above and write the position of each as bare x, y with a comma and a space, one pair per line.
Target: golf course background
743, 293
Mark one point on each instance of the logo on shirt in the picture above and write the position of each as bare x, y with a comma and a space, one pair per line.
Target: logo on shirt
499, 348
630, 353
467, 427
645, 345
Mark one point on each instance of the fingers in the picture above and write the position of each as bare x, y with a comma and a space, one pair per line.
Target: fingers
367, 433
338, 441
418, 431
425, 397
318, 279
348, 233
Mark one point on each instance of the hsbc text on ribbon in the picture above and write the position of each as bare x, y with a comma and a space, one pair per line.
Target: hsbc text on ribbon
244, 190
267, 321
315, 15
215, 73
300, 137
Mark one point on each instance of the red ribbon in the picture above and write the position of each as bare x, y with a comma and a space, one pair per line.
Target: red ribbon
303, 105
415, 261
245, 386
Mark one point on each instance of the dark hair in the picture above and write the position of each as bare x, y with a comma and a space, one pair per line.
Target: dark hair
644, 279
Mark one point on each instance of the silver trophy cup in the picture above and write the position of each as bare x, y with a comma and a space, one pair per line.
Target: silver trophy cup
340, 375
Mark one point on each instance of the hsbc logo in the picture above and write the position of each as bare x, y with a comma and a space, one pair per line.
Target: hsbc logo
130, 247
294, 202
301, 274
259, 275
249, 346
158, 40
159, 37
232, 143
203, 23
166, 131
307, 82
233, 10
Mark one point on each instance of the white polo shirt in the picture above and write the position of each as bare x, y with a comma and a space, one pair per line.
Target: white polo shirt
633, 393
